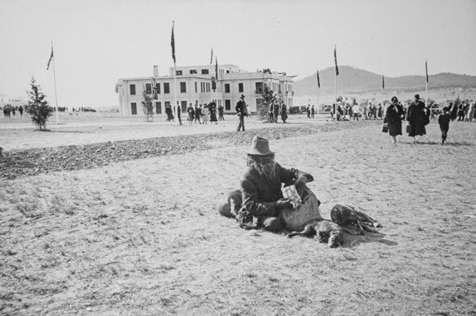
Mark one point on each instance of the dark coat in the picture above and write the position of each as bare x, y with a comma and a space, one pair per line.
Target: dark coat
416, 117
241, 108
393, 117
260, 194
444, 121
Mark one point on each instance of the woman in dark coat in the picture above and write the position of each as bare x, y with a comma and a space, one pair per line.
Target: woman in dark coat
417, 118
393, 118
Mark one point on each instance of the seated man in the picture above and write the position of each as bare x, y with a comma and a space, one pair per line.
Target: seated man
261, 188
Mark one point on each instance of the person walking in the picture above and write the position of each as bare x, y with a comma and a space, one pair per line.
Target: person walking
393, 119
179, 111
191, 113
417, 118
444, 122
198, 113
241, 111
284, 112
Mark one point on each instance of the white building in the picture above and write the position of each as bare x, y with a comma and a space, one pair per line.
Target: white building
195, 85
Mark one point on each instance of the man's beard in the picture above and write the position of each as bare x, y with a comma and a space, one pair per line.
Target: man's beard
265, 167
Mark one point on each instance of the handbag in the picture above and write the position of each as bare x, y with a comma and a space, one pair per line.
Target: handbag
385, 128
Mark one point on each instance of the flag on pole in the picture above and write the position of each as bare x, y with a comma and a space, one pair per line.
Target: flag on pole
335, 59
51, 57
216, 68
172, 43
318, 81
383, 83
211, 57
426, 70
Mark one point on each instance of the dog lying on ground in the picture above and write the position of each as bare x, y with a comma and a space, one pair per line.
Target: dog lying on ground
326, 230
352, 220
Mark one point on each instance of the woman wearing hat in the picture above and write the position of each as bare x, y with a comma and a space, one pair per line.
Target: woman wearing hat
417, 118
393, 119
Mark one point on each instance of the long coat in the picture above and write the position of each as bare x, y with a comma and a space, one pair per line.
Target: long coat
393, 117
416, 117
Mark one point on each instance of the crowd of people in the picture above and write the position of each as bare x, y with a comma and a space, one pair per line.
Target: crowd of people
200, 113
10, 110
418, 117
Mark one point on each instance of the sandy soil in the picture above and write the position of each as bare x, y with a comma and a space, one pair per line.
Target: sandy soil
142, 237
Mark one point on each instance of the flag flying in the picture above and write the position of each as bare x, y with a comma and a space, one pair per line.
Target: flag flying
426, 70
335, 59
216, 68
383, 83
318, 81
172, 43
211, 57
51, 57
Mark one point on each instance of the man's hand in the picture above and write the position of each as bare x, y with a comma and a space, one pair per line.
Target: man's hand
301, 181
283, 204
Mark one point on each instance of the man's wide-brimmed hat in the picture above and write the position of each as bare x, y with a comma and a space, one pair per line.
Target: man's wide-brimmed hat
259, 147
242, 96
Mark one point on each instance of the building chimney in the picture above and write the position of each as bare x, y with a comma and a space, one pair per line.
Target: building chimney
156, 71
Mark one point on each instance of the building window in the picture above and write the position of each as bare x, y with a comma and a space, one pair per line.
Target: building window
193, 71
208, 86
183, 106
166, 88
157, 88
240, 87
133, 108
178, 72
227, 88
196, 87
132, 89
227, 105
183, 87
148, 88
158, 108
204, 71
259, 88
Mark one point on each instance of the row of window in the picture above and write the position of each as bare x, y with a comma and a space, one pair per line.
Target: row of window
204, 87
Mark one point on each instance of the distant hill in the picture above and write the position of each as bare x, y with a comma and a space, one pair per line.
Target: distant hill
354, 80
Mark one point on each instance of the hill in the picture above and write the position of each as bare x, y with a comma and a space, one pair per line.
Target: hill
354, 81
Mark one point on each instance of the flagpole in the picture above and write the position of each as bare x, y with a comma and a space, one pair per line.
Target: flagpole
175, 71
54, 79
426, 83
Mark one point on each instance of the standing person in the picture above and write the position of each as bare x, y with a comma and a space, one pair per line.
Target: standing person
206, 113
198, 113
271, 113
312, 111
191, 113
20, 109
220, 112
444, 122
355, 112
212, 107
393, 119
241, 111
168, 111
284, 113
276, 111
308, 110
179, 112
417, 118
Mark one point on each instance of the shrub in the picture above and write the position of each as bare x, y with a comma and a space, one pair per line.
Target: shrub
38, 106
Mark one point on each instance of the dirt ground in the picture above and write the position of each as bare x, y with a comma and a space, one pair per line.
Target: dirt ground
142, 237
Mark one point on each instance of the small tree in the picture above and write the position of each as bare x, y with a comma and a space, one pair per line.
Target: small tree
147, 106
38, 106
268, 97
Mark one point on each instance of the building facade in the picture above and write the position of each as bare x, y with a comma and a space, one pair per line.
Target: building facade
195, 85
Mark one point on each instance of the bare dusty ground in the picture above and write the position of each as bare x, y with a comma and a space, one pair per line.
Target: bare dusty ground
142, 237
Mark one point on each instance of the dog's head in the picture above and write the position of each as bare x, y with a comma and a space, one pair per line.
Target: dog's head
347, 218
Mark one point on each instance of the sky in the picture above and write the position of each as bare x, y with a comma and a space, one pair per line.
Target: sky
96, 42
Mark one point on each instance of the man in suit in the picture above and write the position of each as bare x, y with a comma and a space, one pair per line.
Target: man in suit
241, 111
260, 188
